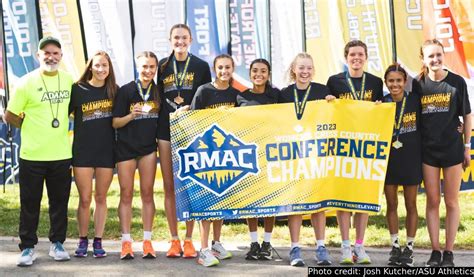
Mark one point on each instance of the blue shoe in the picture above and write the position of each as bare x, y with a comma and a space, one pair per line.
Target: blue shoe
81, 251
295, 257
322, 256
98, 251
27, 257
58, 252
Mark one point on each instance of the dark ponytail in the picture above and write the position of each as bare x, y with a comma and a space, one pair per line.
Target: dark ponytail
165, 64
395, 67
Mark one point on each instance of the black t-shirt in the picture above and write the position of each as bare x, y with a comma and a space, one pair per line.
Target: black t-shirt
197, 74
339, 87
316, 92
94, 137
208, 97
441, 105
404, 164
138, 137
249, 98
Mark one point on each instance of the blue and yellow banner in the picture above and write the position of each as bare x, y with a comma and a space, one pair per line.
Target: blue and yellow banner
263, 161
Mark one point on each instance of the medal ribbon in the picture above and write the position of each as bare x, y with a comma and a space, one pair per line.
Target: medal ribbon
55, 117
140, 90
180, 81
400, 117
300, 106
361, 94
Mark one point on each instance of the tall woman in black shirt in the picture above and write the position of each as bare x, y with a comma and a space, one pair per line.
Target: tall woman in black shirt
179, 76
93, 147
136, 119
444, 98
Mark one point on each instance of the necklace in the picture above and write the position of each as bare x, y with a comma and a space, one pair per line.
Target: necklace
398, 124
216, 85
355, 95
55, 122
300, 105
179, 79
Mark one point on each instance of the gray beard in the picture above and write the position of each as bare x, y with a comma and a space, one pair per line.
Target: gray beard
50, 68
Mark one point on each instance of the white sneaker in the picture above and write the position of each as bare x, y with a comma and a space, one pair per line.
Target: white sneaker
360, 256
57, 252
346, 255
219, 251
207, 258
27, 257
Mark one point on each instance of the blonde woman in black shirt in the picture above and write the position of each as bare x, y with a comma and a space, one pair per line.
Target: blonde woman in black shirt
444, 98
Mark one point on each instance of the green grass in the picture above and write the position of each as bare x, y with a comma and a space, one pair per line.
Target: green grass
376, 235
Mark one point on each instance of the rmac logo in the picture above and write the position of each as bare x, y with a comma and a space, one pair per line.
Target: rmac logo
217, 161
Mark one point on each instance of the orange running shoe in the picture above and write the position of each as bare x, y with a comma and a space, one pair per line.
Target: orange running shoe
175, 249
189, 250
148, 251
127, 252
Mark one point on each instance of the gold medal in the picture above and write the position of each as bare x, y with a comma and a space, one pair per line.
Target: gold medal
397, 144
146, 108
179, 100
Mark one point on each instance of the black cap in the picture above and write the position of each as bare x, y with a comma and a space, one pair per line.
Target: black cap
47, 40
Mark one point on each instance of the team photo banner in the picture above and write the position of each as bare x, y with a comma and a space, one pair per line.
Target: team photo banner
262, 161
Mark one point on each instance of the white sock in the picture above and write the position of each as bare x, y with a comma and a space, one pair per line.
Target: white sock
253, 236
126, 237
320, 242
295, 244
346, 243
175, 238
146, 235
267, 237
394, 238
410, 242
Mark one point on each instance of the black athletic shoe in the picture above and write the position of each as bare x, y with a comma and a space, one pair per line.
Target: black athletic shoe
448, 259
253, 252
266, 251
395, 256
406, 258
435, 259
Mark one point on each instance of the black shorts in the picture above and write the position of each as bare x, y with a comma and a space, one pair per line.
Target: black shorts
443, 157
163, 131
